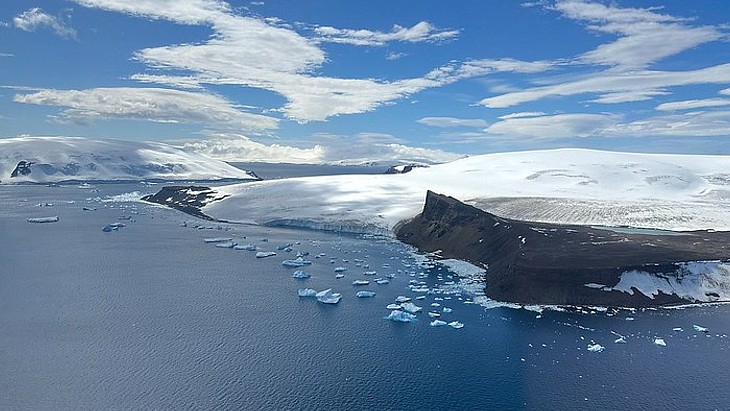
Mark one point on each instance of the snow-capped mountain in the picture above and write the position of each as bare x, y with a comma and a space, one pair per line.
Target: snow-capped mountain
58, 159
573, 186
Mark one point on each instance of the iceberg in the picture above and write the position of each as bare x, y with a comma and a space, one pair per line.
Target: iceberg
433, 314
360, 282
41, 220
298, 262
393, 306
400, 316
245, 247
365, 294
328, 297
369, 273
217, 240
226, 244
402, 299
620, 340
660, 342
340, 269
456, 324
382, 281
410, 307
700, 329
595, 347
437, 323
301, 275
339, 276
264, 254
446, 310
307, 292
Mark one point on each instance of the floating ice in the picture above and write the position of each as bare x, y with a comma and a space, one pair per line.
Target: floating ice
328, 297
307, 292
284, 246
298, 262
620, 340
677, 329
410, 307
402, 299
340, 269
112, 227
226, 244
245, 247
433, 314
435, 305
437, 323
41, 220
700, 329
400, 316
369, 273
217, 239
382, 281
360, 282
660, 342
456, 324
393, 306
365, 294
340, 275
595, 347
301, 275
446, 310
264, 254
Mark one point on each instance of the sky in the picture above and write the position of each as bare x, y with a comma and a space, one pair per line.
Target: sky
316, 81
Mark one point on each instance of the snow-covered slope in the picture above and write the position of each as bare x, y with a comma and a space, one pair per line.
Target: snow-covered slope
56, 159
676, 192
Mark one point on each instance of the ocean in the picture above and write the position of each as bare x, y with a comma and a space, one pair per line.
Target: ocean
149, 316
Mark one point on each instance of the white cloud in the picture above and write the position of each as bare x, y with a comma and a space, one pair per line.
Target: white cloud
693, 104
693, 124
421, 32
33, 19
552, 127
725, 92
335, 149
394, 55
452, 122
521, 115
153, 104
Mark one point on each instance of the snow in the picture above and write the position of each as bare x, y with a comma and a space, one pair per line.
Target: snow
40, 220
400, 316
328, 297
59, 159
568, 186
694, 281
365, 294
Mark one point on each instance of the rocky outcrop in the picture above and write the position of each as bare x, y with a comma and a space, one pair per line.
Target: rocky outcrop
188, 199
22, 169
538, 263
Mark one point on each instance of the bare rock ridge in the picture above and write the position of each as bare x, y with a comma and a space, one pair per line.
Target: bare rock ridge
539, 263
188, 199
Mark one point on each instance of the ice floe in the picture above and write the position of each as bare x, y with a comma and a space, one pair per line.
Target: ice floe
595, 347
41, 220
402, 299
660, 342
393, 306
301, 275
360, 282
700, 329
400, 316
365, 294
433, 314
245, 247
217, 239
410, 307
226, 244
438, 323
307, 292
298, 262
264, 254
328, 297
456, 324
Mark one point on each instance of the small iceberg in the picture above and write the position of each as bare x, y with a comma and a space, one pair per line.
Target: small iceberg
112, 227
245, 247
365, 294
264, 254
307, 292
410, 307
298, 262
620, 340
382, 281
340, 269
301, 275
360, 282
456, 324
369, 273
284, 247
400, 316
340, 276
225, 244
700, 329
328, 297
595, 347
402, 299
433, 314
660, 342
217, 240
41, 220
393, 306
446, 310
438, 323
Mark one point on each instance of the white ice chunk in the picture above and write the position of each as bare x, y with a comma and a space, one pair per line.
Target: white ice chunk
301, 275
400, 316
433, 314
620, 340
402, 299
360, 282
340, 275
245, 247
264, 254
660, 342
365, 294
446, 310
393, 306
700, 329
437, 323
340, 269
328, 297
217, 239
307, 292
410, 307
456, 324
226, 244
382, 281
298, 262
41, 220
595, 347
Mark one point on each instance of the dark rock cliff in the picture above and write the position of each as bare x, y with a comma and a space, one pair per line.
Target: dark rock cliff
188, 199
538, 263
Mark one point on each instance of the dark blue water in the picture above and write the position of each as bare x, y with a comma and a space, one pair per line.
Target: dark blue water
150, 317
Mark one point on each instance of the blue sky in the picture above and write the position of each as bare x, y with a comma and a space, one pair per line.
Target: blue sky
325, 80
